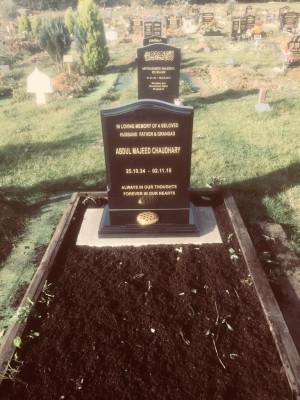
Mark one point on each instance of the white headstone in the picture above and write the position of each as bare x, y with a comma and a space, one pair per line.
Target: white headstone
40, 84
111, 35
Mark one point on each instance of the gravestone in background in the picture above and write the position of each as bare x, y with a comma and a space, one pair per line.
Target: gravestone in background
148, 29
158, 67
153, 26
235, 28
108, 13
294, 48
147, 147
173, 24
248, 8
207, 18
136, 25
250, 22
283, 10
289, 21
154, 40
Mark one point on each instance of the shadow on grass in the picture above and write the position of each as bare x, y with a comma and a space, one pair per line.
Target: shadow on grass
199, 102
189, 62
270, 184
114, 69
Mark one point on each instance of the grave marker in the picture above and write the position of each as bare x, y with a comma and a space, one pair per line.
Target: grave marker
289, 21
242, 26
153, 26
158, 67
39, 84
148, 160
294, 48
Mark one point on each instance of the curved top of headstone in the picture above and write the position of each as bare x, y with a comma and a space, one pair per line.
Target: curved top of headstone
37, 81
147, 104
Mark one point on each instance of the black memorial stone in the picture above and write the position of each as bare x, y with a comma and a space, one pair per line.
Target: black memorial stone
158, 67
148, 29
147, 147
152, 26
289, 21
154, 39
235, 28
207, 18
157, 28
294, 48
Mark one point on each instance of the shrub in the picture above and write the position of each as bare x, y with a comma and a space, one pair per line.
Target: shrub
75, 85
35, 22
69, 20
19, 94
54, 37
91, 37
23, 24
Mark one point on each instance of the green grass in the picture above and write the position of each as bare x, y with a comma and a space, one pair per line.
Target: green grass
47, 150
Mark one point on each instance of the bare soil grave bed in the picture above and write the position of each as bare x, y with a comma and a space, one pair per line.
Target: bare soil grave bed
151, 322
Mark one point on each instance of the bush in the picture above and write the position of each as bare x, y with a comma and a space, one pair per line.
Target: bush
69, 20
90, 36
23, 24
19, 94
74, 85
54, 37
35, 22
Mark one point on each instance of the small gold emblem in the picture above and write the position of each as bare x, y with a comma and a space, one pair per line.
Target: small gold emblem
147, 218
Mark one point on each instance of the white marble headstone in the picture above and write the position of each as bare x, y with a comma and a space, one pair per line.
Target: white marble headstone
39, 84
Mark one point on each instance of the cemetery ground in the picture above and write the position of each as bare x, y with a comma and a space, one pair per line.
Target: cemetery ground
48, 152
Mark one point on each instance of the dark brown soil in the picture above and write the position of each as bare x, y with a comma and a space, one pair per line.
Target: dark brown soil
155, 322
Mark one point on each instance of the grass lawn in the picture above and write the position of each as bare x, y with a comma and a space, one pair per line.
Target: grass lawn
47, 152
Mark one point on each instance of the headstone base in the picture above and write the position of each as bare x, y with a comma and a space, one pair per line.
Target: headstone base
190, 224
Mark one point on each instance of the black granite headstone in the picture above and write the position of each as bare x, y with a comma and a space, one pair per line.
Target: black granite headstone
152, 26
294, 48
158, 67
157, 28
235, 28
207, 18
148, 159
148, 29
250, 21
289, 21
154, 39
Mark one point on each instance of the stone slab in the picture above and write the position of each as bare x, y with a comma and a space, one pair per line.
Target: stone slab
88, 234
262, 107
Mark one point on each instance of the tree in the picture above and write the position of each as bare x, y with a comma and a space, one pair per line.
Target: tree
54, 37
46, 4
35, 22
230, 6
69, 20
90, 37
23, 23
